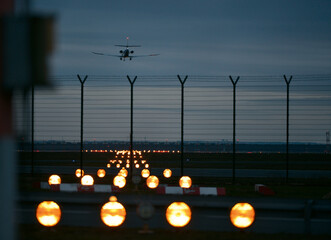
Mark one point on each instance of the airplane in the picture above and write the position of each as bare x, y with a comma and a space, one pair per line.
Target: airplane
126, 53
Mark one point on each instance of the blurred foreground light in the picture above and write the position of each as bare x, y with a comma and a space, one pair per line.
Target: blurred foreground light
87, 180
48, 213
78, 172
123, 172
178, 214
108, 165
118, 165
185, 182
101, 173
54, 179
137, 165
167, 173
113, 213
242, 215
145, 173
119, 181
152, 181
146, 165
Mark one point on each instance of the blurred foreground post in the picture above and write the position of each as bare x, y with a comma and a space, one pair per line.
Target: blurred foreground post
7, 142
25, 44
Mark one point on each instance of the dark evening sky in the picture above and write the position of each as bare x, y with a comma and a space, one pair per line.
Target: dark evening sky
193, 37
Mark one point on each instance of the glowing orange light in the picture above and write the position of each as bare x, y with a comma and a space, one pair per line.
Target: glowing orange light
242, 215
118, 165
108, 165
101, 173
167, 173
48, 213
152, 181
146, 165
119, 181
145, 173
87, 180
123, 172
127, 165
185, 182
178, 214
137, 165
78, 171
54, 179
113, 213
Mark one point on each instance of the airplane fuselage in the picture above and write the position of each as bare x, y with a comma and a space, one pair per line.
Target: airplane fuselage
125, 54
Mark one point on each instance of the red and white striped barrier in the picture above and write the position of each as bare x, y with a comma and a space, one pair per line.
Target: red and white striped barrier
217, 191
75, 187
264, 190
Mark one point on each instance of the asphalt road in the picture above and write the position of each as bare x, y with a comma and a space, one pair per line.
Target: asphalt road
194, 172
209, 213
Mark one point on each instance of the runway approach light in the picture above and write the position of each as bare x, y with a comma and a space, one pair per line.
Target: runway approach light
123, 172
48, 213
152, 181
101, 173
113, 213
87, 180
178, 214
242, 215
119, 181
78, 172
54, 179
145, 173
167, 173
185, 182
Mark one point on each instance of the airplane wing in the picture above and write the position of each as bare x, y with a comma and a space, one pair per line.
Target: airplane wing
149, 55
127, 46
97, 53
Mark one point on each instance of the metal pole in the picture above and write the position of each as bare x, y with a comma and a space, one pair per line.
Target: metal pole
287, 81
234, 84
131, 123
32, 129
81, 122
182, 126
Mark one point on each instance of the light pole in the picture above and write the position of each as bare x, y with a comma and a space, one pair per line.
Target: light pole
81, 122
131, 122
234, 84
182, 82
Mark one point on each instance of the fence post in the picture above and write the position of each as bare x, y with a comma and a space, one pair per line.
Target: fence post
287, 81
81, 122
131, 123
182, 82
32, 129
234, 84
